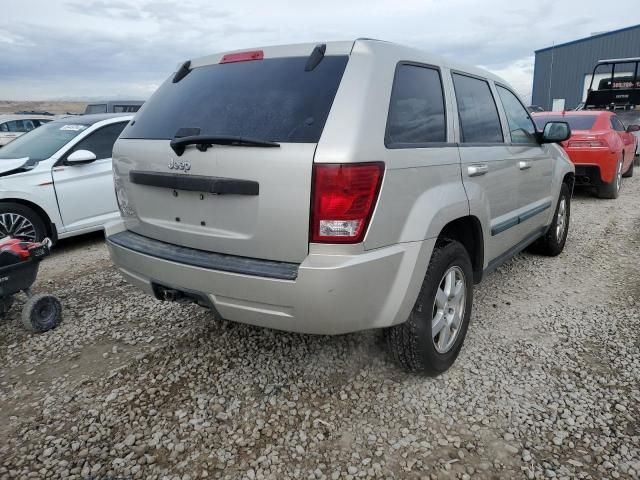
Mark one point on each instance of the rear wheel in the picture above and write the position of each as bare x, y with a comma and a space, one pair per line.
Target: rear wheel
552, 243
19, 221
612, 190
431, 338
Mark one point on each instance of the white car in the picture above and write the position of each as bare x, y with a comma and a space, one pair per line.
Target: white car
56, 181
13, 126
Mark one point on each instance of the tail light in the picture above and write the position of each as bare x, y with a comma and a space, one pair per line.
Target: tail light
587, 144
343, 199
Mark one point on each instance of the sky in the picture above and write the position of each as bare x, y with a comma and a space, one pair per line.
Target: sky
105, 49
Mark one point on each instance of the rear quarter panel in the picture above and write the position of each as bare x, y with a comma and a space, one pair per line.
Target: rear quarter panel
422, 188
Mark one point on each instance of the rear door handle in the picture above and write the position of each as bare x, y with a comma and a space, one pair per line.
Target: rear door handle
524, 165
477, 170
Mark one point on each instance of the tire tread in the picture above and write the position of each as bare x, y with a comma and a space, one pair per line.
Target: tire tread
403, 339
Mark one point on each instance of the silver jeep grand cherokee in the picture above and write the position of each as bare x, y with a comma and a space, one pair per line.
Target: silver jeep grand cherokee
336, 187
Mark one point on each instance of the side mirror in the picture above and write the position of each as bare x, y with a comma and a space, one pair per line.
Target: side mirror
633, 128
556, 132
80, 157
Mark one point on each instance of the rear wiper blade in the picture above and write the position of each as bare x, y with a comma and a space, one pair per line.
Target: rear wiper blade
203, 142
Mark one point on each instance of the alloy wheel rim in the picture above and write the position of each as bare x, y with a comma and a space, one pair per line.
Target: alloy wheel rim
561, 220
17, 226
448, 309
619, 176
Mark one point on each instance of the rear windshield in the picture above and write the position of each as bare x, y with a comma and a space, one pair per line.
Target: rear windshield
272, 99
576, 122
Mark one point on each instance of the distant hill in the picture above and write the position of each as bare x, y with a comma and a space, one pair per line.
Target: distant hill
10, 106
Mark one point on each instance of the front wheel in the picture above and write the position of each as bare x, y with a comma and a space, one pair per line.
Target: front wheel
21, 222
552, 242
431, 338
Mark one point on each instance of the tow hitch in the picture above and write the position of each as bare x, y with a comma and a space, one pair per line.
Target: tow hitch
168, 294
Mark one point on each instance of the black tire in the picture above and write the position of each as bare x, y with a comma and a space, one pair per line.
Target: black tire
611, 190
9, 208
41, 313
411, 343
629, 172
5, 305
550, 244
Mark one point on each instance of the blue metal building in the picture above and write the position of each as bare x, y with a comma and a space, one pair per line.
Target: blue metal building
563, 72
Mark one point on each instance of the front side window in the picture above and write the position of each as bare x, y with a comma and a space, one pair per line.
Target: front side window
520, 124
101, 141
4, 127
416, 110
479, 120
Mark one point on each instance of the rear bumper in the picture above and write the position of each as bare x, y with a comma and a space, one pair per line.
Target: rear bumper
588, 175
600, 161
328, 294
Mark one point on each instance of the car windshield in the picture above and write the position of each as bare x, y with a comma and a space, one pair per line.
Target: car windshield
576, 122
276, 100
42, 142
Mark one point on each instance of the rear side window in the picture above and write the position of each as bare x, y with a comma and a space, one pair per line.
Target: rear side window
617, 125
521, 126
101, 141
272, 99
416, 111
479, 120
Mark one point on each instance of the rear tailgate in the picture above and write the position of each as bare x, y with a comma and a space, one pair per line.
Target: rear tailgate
240, 200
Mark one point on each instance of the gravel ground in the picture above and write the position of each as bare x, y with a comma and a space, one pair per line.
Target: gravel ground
546, 386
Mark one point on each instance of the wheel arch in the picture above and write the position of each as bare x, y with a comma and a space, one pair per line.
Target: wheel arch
52, 232
570, 180
468, 231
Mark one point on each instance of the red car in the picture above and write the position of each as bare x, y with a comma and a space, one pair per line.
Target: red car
601, 147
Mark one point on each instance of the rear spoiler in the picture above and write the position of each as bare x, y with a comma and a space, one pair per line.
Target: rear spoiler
616, 95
